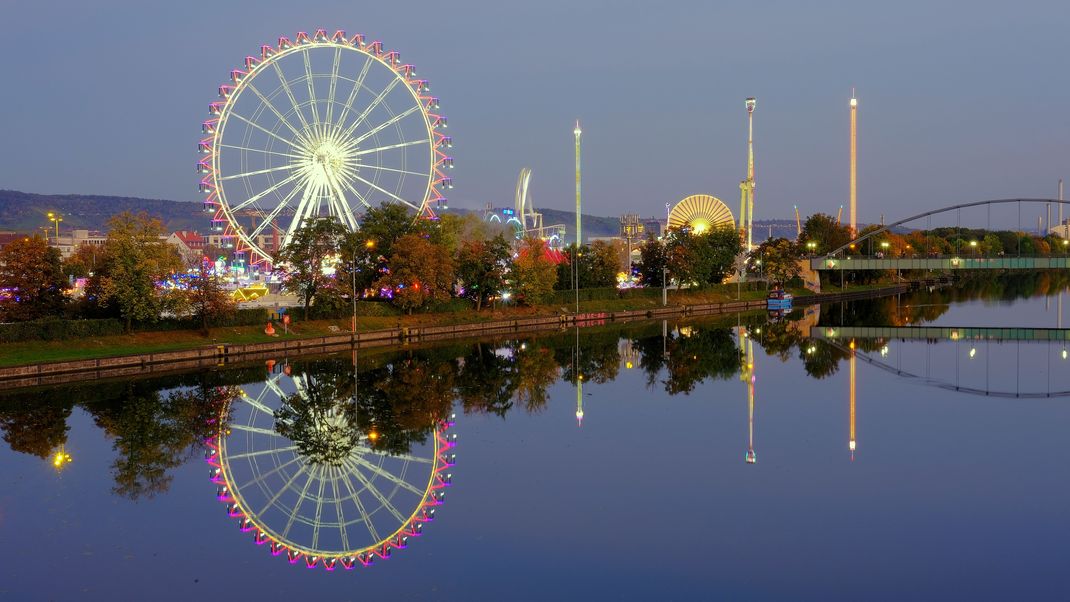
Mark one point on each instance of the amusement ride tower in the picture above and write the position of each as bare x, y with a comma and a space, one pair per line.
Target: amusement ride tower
851, 443
746, 187
854, 164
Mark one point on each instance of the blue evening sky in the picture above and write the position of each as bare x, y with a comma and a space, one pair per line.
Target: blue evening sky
959, 101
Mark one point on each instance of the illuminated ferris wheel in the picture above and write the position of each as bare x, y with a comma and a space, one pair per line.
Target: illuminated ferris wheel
297, 473
323, 125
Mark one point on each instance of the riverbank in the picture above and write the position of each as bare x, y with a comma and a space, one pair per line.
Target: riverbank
38, 362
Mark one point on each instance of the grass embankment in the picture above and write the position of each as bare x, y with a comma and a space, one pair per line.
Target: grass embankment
34, 352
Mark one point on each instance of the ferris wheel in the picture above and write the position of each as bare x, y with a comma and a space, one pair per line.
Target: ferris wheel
298, 475
323, 125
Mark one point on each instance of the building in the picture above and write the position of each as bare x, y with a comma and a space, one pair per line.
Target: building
189, 243
69, 243
7, 238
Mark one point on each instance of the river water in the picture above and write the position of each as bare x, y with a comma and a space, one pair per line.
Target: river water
713, 460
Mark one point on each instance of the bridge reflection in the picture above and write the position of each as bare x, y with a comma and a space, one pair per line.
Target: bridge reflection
937, 334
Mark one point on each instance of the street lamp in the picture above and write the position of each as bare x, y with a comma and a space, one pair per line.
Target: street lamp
973, 245
884, 246
56, 219
811, 246
369, 244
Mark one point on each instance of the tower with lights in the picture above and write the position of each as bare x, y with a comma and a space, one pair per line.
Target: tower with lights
579, 232
851, 442
854, 164
746, 187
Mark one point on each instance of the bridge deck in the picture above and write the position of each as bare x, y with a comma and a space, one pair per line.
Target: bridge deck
936, 333
940, 263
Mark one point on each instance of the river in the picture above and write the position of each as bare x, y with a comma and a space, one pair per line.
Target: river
738, 458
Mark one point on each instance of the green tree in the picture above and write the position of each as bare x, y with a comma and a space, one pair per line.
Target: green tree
824, 232
653, 258
779, 259
599, 265
701, 259
305, 255
32, 277
533, 274
482, 266
992, 245
487, 381
419, 272
136, 258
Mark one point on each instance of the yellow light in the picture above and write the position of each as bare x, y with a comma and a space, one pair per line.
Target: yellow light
61, 459
973, 352
628, 365
854, 102
373, 435
370, 244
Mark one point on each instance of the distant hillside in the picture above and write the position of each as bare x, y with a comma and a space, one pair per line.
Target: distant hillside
24, 211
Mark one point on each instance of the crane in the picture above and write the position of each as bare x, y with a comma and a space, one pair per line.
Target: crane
798, 223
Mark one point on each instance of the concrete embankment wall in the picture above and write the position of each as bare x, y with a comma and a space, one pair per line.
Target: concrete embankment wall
219, 355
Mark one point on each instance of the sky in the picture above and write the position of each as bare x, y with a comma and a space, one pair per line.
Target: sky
958, 101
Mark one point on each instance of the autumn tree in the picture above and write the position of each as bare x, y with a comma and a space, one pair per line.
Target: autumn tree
32, 277
206, 299
534, 273
305, 255
482, 266
779, 259
36, 426
419, 272
136, 259
84, 261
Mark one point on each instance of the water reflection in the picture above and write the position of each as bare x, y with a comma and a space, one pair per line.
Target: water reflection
311, 465
330, 461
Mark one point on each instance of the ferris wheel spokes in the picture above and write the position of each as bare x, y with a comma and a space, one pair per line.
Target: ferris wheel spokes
271, 106
357, 85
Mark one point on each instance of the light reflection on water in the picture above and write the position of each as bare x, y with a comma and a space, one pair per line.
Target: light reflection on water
729, 457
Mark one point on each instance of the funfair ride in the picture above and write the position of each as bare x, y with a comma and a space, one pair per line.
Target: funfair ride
528, 220
321, 125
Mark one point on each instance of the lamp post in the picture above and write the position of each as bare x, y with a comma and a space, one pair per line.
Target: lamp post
56, 219
664, 286
370, 244
973, 245
811, 246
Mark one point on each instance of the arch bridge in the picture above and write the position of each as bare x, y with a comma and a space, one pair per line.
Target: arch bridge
838, 259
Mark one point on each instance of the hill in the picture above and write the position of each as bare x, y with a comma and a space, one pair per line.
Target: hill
26, 212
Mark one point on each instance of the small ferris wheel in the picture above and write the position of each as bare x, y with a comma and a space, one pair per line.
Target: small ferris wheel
323, 125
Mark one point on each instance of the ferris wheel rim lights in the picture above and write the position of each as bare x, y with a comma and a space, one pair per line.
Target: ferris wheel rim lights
327, 158
230, 493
